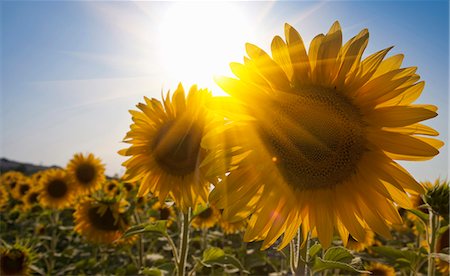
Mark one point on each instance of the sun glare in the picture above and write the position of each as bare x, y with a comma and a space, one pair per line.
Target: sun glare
198, 40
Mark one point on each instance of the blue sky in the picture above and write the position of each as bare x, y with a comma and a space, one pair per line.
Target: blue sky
72, 70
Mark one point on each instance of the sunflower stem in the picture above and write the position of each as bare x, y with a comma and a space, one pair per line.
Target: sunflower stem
434, 226
184, 242
140, 244
308, 245
54, 217
292, 253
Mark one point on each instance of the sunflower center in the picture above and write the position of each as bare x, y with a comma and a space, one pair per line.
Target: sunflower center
176, 147
85, 173
378, 272
164, 213
33, 198
206, 214
23, 189
12, 263
57, 188
103, 221
316, 137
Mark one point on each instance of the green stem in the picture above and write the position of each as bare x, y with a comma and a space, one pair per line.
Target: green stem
184, 242
54, 217
434, 226
140, 245
292, 253
308, 245
174, 248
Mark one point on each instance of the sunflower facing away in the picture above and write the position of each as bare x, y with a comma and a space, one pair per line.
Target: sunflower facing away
86, 172
165, 150
56, 190
318, 133
101, 221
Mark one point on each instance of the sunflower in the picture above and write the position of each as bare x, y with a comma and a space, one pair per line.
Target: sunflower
4, 197
359, 246
15, 260
163, 212
32, 198
10, 179
56, 190
378, 269
21, 189
232, 227
207, 218
101, 221
86, 172
165, 150
111, 187
442, 245
313, 138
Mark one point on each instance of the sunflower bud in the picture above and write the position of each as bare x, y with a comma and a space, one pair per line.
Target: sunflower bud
437, 197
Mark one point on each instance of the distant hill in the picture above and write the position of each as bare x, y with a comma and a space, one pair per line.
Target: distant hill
26, 168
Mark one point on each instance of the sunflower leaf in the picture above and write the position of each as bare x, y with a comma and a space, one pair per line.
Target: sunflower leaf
419, 214
321, 264
211, 254
158, 226
151, 271
338, 254
313, 250
216, 256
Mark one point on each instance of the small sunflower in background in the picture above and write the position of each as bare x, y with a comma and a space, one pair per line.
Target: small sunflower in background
32, 198
317, 134
232, 227
378, 269
4, 197
163, 212
35, 177
86, 172
101, 220
111, 187
21, 189
10, 179
15, 260
442, 245
207, 218
56, 189
359, 246
165, 152
128, 187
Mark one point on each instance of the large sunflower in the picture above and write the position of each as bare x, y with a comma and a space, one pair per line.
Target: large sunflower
165, 150
56, 190
318, 133
101, 221
86, 172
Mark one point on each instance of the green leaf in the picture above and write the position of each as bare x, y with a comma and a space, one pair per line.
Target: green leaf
313, 250
151, 271
216, 256
424, 217
321, 264
211, 254
158, 226
338, 254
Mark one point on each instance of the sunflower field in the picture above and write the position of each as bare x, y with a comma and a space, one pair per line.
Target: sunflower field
295, 172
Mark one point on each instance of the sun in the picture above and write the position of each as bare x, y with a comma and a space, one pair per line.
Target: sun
197, 40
